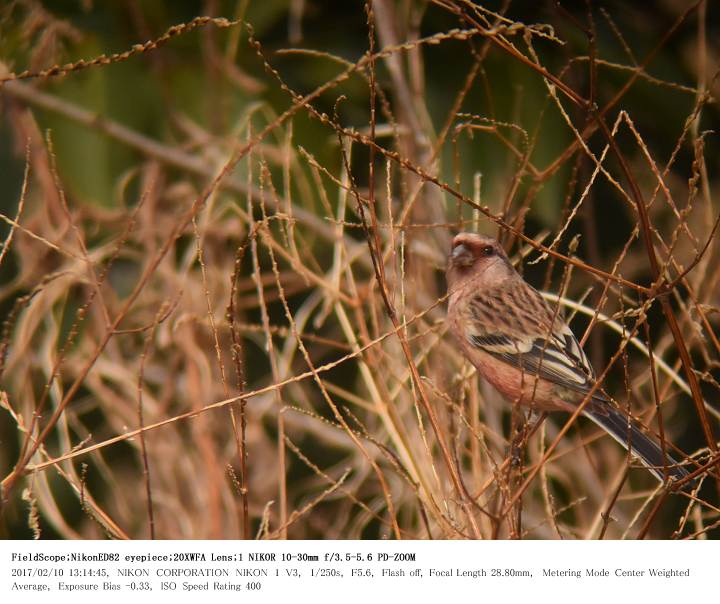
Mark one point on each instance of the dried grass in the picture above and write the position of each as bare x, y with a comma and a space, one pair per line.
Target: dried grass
254, 346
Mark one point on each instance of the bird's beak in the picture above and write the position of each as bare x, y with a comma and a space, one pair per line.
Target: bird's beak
461, 255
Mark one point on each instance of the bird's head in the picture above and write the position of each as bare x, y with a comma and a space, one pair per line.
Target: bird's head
478, 257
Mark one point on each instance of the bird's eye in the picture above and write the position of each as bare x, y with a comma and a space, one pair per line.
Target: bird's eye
488, 250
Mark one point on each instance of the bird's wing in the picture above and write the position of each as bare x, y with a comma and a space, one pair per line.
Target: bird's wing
515, 324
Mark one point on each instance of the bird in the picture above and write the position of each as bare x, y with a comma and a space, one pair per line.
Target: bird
525, 350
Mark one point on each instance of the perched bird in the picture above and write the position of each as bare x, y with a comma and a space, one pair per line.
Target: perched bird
519, 344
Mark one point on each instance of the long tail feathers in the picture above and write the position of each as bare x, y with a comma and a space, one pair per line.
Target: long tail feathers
627, 433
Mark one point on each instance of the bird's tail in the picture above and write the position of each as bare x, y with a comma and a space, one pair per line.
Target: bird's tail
629, 435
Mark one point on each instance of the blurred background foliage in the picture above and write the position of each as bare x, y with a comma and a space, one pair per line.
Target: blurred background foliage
185, 79
206, 91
